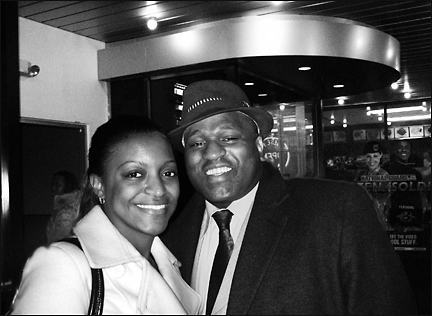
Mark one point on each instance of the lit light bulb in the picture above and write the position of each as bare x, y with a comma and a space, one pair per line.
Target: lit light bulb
152, 23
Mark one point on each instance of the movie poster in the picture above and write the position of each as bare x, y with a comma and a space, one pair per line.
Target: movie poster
402, 197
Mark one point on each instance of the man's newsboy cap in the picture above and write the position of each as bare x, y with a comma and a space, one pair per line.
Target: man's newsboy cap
206, 98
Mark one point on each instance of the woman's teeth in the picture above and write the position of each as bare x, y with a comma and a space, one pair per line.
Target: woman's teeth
153, 207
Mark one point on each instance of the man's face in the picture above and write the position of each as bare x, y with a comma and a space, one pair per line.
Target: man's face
403, 151
222, 156
373, 160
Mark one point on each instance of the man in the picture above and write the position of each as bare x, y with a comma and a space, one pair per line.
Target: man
406, 200
376, 181
301, 246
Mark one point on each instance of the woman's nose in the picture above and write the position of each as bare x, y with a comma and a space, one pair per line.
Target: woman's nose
155, 187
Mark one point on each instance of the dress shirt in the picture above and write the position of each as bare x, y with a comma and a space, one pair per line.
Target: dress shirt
209, 239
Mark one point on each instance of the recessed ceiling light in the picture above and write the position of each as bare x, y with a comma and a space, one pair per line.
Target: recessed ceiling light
262, 94
338, 86
152, 23
249, 84
304, 68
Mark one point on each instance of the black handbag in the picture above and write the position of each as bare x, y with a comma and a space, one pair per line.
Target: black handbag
98, 289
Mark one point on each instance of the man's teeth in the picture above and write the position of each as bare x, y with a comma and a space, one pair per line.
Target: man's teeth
218, 171
153, 207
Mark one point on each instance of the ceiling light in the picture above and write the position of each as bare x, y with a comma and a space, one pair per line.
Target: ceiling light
407, 95
305, 68
341, 101
394, 85
409, 118
338, 86
152, 23
397, 110
262, 94
249, 84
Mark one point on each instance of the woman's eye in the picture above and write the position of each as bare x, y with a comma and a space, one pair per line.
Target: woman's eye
170, 174
134, 175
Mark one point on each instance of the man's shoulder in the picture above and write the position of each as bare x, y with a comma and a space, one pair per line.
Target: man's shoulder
318, 183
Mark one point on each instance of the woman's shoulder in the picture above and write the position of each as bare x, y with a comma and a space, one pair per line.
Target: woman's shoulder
62, 254
56, 279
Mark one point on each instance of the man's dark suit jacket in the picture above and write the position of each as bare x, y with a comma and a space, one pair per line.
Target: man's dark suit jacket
312, 246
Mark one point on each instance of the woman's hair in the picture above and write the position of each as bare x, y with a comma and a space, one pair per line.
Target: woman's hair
71, 182
103, 146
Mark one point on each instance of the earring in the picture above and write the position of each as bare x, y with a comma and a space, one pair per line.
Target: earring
101, 200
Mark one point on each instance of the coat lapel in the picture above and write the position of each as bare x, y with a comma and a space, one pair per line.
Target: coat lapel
265, 228
188, 236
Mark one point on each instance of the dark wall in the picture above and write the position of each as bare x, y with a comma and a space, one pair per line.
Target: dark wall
12, 258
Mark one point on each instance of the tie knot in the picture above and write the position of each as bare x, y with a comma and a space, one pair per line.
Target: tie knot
223, 218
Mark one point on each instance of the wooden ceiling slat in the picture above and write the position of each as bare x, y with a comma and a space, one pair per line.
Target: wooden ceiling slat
110, 27
122, 18
70, 12
31, 10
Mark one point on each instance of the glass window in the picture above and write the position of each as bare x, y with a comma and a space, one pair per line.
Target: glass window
289, 146
387, 150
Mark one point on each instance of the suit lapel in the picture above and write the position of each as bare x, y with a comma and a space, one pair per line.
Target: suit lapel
265, 228
191, 227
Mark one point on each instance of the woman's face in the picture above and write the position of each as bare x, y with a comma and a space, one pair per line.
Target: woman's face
373, 160
141, 186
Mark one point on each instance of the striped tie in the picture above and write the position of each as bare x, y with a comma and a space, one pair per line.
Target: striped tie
223, 253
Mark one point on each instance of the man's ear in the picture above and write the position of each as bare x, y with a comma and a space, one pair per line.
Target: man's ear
97, 185
260, 146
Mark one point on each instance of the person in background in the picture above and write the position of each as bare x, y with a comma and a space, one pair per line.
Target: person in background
425, 172
405, 212
65, 191
375, 180
293, 247
131, 192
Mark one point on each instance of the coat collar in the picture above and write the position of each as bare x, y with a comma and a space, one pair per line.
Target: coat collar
105, 246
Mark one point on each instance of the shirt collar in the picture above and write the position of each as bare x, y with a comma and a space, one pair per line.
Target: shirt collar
239, 207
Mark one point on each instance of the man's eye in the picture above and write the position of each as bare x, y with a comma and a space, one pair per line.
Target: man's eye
230, 139
196, 144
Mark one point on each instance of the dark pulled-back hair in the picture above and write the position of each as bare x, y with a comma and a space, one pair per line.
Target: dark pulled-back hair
102, 148
71, 181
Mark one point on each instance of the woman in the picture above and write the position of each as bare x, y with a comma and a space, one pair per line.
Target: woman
65, 190
131, 192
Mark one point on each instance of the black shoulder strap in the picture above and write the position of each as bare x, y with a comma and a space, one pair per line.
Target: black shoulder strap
98, 289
